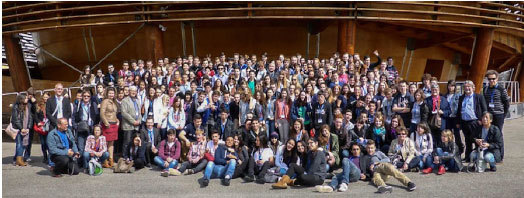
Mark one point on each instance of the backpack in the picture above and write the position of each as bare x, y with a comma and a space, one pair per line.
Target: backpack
95, 168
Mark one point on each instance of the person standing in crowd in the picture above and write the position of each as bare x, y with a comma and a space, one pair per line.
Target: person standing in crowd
22, 120
85, 115
498, 102
130, 116
438, 110
282, 115
110, 124
111, 78
41, 120
225, 126
451, 123
322, 113
58, 106
419, 111
63, 149
471, 107
403, 103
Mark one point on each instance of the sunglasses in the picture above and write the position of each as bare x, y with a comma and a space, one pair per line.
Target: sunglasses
87, 96
491, 79
402, 134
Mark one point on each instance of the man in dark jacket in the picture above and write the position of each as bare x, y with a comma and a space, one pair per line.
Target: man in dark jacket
471, 106
111, 77
150, 139
85, 115
498, 102
58, 106
489, 142
224, 126
322, 113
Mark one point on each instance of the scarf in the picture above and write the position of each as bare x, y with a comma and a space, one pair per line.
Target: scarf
24, 125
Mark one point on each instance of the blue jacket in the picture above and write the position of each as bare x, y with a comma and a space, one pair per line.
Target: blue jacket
294, 111
55, 143
221, 155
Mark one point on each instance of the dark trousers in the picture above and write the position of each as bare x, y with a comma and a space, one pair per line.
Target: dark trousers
303, 179
240, 169
81, 143
469, 128
139, 164
127, 138
412, 164
64, 165
498, 120
257, 170
149, 153
196, 167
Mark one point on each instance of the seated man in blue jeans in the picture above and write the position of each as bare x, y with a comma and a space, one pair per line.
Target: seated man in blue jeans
351, 171
63, 149
224, 164
168, 153
489, 142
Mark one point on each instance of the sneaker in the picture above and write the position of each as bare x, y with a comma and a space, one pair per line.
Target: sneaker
205, 182
385, 189
493, 168
28, 160
174, 172
411, 186
249, 178
323, 189
148, 165
343, 187
164, 173
227, 180
44, 161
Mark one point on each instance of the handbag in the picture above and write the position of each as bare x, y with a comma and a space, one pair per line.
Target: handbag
209, 157
436, 120
123, 167
95, 168
40, 130
12, 132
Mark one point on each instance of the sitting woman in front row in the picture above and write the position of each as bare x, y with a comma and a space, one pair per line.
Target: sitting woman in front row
314, 172
445, 155
423, 145
224, 164
261, 160
136, 153
286, 155
195, 157
489, 142
402, 152
96, 147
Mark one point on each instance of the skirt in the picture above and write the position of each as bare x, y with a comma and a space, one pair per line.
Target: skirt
110, 132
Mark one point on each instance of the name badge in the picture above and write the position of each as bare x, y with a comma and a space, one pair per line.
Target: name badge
282, 116
434, 112
491, 105
320, 121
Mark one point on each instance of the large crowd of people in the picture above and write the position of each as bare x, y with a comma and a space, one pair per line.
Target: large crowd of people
289, 121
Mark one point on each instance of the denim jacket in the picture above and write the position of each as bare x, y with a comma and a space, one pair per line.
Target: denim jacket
55, 143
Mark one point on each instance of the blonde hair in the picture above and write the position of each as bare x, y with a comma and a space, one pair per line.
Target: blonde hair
447, 133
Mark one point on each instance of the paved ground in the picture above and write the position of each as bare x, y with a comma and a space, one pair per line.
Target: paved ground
35, 180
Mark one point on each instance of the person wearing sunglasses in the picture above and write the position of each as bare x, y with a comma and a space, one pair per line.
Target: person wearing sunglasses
498, 102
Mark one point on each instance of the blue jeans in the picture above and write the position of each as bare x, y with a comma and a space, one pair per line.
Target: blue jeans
350, 173
20, 148
450, 163
427, 164
160, 163
87, 157
270, 126
220, 171
488, 157
27, 153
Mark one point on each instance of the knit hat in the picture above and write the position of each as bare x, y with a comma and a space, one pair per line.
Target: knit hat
274, 135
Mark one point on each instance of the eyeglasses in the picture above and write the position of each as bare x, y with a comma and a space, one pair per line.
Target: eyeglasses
87, 96
402, 134
355, 149
490, 79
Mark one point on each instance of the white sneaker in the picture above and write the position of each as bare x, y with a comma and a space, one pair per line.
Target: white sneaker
343, 187
174, 172
324, 189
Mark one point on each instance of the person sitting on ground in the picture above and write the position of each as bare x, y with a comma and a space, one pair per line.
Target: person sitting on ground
150, 138
212, 145
274, 142
243, 157
196, 161
445, 155
353, 169
286, 155
489, 142
224, 164
328, 142
261, 160
316, 169
423, 145
168, 153
135, 152
63, 150
96, 147
402, 151
381, 168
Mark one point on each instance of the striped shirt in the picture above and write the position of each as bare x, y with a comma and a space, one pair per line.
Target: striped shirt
496, 97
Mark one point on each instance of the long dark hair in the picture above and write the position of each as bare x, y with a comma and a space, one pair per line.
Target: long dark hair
263, 142
290, 156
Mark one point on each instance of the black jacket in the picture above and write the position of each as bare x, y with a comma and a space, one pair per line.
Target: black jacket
229, 129
17, 117
494, 139
317, 164
144, 135
140, 153
51, 106
78, 114
480, 106
322, 112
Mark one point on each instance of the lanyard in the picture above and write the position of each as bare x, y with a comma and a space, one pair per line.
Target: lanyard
492, 93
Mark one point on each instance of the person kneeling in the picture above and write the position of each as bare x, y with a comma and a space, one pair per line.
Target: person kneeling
488, 142
446, 155
316, 169
63, 149
223, 165
168, 154
96, 147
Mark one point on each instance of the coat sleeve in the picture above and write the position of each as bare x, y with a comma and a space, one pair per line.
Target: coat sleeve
125, 112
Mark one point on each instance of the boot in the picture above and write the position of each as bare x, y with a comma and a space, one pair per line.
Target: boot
111, 162
282, 183
427, 170
20, 161
106, 164
441, 170
291, 182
